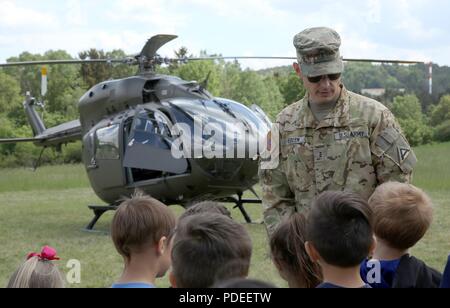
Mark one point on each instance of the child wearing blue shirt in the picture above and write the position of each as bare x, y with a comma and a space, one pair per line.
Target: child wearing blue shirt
141, 231
339, 237
402, 213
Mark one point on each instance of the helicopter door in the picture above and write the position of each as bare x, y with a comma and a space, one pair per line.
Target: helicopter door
148, 149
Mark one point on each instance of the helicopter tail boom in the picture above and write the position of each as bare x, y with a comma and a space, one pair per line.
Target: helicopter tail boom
53, 136
36, 123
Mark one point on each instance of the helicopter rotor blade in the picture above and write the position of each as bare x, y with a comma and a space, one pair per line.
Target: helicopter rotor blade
155, 43
294, 58
43, 62
384, 61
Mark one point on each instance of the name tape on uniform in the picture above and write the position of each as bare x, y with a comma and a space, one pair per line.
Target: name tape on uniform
296, 140
350, 135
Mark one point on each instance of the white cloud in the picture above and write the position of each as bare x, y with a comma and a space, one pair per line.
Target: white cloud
75, 15
374, 11
257, 64
355, 46
158, 16
14, 16
411, 25
369, 29
265, 10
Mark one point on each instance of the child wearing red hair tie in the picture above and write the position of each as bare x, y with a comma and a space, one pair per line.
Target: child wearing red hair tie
38, 271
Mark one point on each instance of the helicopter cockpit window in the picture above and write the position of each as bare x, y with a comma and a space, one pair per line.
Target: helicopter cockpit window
107, 142
148, 147
154, 122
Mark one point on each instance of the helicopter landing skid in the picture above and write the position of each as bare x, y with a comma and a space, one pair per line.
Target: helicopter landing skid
98, 210
240, 204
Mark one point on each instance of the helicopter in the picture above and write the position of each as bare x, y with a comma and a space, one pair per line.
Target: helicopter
128, 128
144, 131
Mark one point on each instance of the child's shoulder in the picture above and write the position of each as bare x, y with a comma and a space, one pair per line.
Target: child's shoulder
414, 273
132, 285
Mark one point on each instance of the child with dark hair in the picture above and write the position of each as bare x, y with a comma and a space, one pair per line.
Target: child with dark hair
38, 271
208, 248
287, 245
206, 207
141, 231
339, 237
402, 214
243, 283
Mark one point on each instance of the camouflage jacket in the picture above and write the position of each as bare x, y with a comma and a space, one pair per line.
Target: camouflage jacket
356, 147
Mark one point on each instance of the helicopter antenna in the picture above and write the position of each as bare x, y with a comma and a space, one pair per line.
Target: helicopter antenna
204, 83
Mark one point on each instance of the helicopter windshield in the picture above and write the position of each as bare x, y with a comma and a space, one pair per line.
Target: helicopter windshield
107, 142
148, 145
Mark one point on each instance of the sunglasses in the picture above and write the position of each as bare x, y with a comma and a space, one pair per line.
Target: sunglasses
332, 77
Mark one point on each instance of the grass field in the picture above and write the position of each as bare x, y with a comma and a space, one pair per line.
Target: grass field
48, 207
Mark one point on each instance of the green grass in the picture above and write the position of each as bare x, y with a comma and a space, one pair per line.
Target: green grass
49, 207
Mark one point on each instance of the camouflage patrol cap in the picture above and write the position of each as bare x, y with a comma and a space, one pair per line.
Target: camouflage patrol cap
318, 51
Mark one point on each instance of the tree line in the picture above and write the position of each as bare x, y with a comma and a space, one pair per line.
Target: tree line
424, 118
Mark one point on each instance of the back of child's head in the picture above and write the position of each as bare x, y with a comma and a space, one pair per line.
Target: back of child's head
287, 245
339, 227
205, 207
139, 222
402, 214
243, 283
208, 248
38, 271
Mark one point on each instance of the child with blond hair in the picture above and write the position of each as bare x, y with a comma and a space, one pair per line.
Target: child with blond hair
38, 271
402, 214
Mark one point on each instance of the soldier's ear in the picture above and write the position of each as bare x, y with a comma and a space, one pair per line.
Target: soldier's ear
297, 69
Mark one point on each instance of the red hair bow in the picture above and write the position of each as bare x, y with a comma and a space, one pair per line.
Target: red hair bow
47, 253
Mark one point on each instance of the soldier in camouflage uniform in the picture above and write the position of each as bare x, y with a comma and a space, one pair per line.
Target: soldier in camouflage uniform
332, 139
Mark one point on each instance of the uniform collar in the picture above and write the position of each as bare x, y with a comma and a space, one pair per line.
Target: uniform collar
338, 117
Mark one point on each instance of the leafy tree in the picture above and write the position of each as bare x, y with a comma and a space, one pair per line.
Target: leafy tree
181, 53
292, 89
274, 101
441, 112
119, 70
94, 73
230, 79
10, 94
442, 132
6, 131
64, 83
199, 71
408, 111
29, 77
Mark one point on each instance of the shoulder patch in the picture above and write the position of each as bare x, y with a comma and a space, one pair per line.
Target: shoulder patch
394, 146
403, 153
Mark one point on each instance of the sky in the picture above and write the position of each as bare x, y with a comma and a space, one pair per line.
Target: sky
381, 29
